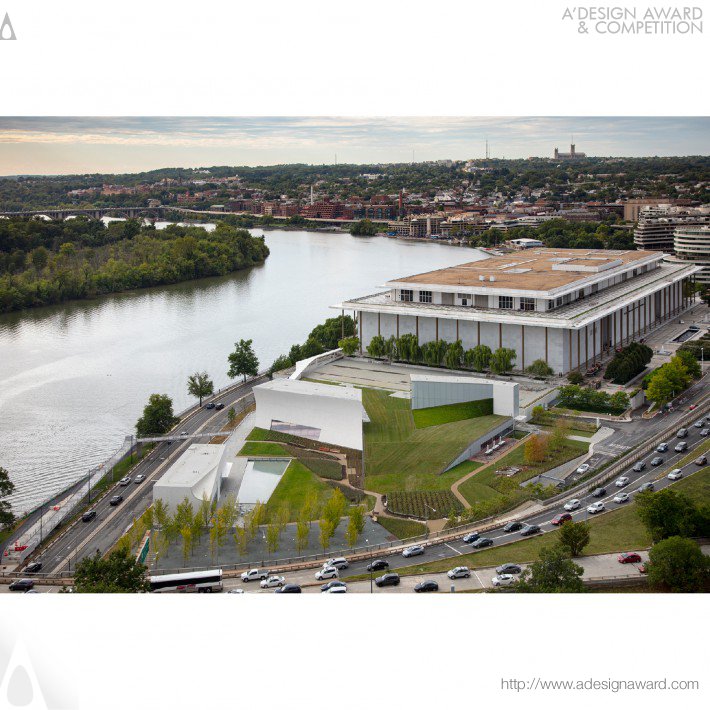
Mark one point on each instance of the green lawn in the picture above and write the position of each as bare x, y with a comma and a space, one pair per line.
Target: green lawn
433, 416
570, 432
486, 485
296, 483
401, 527
400, 457
613, 532
263, 448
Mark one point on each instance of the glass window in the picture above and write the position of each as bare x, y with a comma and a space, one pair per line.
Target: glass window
425, 297
406, 294
505, 302
527, 304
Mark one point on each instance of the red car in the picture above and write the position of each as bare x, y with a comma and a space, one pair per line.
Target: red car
561, 518
625, 557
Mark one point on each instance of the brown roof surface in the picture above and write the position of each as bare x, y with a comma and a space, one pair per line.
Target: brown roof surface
541, 275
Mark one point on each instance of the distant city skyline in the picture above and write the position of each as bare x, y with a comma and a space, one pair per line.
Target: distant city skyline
57, 145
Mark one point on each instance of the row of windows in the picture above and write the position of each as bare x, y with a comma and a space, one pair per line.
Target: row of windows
406, 294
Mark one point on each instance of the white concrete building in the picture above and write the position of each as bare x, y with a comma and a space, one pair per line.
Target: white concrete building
197, 473
564, 306
327, 413
438, 390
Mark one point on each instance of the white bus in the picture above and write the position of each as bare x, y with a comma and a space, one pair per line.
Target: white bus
207, 582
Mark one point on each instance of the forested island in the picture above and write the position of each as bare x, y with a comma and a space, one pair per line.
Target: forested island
46, 262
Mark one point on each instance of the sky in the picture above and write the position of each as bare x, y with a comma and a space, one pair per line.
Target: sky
66, 145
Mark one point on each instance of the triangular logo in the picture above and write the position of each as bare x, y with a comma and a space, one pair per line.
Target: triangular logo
6, 30
20, 687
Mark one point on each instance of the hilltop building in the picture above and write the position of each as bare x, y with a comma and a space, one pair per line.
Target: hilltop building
572, 155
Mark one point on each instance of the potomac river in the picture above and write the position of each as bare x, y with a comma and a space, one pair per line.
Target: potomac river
74, 378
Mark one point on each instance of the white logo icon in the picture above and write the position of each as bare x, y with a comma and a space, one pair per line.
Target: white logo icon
20, 687
6, 30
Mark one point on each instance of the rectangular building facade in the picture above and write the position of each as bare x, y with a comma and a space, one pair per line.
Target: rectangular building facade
564, 306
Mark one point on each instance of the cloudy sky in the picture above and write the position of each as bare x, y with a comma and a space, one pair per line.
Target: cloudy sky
50, 145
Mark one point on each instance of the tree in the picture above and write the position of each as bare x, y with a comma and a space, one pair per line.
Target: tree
282, 362
200, 385
575, 377
327, 530
328, 333
502, 360
376, 348
453, 359
273, 537
303, 528
7, 517
158, 417
558, 437
186, 533
117, 573
364, 227
356, 524
335, 506
667, 513
660, 389
553, 572
679, 565
349, 345
243, 361
539, 368
535, 449
574, 537
231, 414
241, 540
690, 362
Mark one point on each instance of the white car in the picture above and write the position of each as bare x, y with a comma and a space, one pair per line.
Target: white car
139, 478
253, 574
413, 551
675, 474
236, 591
503, 580
621, 482
337, 590
572, 504
270, 582
595, 508
327, 573
458, 573
622, 498
583, 468
124, 481
338, 562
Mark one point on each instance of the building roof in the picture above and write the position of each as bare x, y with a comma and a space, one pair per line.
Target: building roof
534, 270
312, 388
195, 469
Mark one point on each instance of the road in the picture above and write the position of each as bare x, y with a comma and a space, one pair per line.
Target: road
82, 539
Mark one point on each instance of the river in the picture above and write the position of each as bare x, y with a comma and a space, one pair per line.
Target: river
75, 377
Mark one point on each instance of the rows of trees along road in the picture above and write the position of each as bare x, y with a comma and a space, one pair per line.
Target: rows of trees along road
45, 262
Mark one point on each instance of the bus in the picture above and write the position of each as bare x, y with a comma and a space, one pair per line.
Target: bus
205, 582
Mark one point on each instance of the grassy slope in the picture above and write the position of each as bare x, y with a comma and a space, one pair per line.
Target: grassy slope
260, 448
433, 416
294, 486
616, 531
402, 528
400, 457
478, 487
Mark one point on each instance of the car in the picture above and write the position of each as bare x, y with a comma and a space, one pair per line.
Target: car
337, 562
561, 518
34, 567
413, 551
337, 590
625, 557
682, 433
271, 582
468, 538
237, 590
701, 460
509, 568
139, 478
391, 579
572, 504
22, 585
428, 585
254, 574
503, 580
662, 448
184, 433
124, 481
704, 432
333, 584
530, 529
680, 446
675, 475
622, 498
583, 468
116, 500
656, 460
595, 508
327, 573
377, 565
220, 405
482, 542
598, 492
513, 526
639, 466
699, 424
643, 568
209, 405
88, 516
648, 486
288, 589
459, 573
622, 481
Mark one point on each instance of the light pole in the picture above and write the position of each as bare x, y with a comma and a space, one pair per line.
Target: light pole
427, 517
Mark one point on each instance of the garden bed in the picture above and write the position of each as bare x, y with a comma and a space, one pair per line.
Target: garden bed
423, 504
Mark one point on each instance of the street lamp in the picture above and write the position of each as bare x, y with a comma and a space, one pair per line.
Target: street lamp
427, 517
